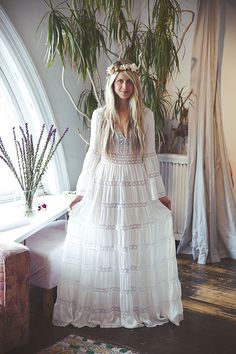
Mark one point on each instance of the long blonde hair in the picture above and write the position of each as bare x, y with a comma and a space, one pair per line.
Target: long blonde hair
111, 117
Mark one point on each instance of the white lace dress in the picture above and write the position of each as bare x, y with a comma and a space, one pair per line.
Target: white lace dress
119, 265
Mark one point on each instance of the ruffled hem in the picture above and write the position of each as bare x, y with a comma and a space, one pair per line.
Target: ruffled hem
124, 278
109, 314
129, 323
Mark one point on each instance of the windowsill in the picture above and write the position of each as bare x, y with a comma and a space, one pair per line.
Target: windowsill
19, 228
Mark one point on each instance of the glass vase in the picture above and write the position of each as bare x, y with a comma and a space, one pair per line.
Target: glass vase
26, 201
30, 203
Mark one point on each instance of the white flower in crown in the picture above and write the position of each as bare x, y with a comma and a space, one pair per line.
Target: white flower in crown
133, 67
111, 70
123, 67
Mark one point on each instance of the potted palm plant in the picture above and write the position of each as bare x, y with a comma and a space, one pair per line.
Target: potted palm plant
84, 33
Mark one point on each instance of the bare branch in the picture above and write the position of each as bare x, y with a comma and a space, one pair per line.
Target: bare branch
100, 84
71, 98
186, 29
84, 140
120, 43
94, 88
189, 94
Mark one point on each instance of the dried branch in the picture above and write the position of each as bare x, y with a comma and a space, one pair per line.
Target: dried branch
86, 142
186, 29
94, 88
71, 98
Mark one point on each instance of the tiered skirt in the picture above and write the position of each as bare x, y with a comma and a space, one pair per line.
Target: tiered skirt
119, 264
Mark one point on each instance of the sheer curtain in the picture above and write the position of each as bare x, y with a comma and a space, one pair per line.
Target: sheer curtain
210, 230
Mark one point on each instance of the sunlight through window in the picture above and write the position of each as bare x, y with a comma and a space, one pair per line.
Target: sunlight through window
23, 99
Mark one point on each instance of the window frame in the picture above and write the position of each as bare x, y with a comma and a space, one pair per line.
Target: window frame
40, 107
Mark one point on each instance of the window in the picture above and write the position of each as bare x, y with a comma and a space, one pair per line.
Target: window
23, 99
9, 117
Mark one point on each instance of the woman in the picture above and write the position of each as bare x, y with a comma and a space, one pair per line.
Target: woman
119, 265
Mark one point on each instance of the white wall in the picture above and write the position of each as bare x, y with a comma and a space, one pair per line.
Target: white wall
185, 54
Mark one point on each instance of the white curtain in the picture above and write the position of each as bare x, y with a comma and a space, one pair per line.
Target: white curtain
210, 230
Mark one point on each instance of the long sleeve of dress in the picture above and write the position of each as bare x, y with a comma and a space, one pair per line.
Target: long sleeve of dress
92, 157
150, 158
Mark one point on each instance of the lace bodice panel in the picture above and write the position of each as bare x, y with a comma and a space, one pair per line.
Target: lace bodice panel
123, 155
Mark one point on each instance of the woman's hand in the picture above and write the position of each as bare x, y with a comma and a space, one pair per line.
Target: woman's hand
77, 199
166, 201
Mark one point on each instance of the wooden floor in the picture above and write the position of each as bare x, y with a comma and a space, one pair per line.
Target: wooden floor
209, 326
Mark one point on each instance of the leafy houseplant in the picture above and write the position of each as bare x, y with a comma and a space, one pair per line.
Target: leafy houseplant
32, 160
83, 33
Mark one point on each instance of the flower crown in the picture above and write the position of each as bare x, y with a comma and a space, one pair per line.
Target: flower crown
116, 68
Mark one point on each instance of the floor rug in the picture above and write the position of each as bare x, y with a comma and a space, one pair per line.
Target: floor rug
75, 345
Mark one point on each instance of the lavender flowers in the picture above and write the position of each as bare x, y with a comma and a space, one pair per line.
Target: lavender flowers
32, 160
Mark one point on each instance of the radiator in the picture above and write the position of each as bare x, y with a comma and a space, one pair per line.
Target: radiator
174, 169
